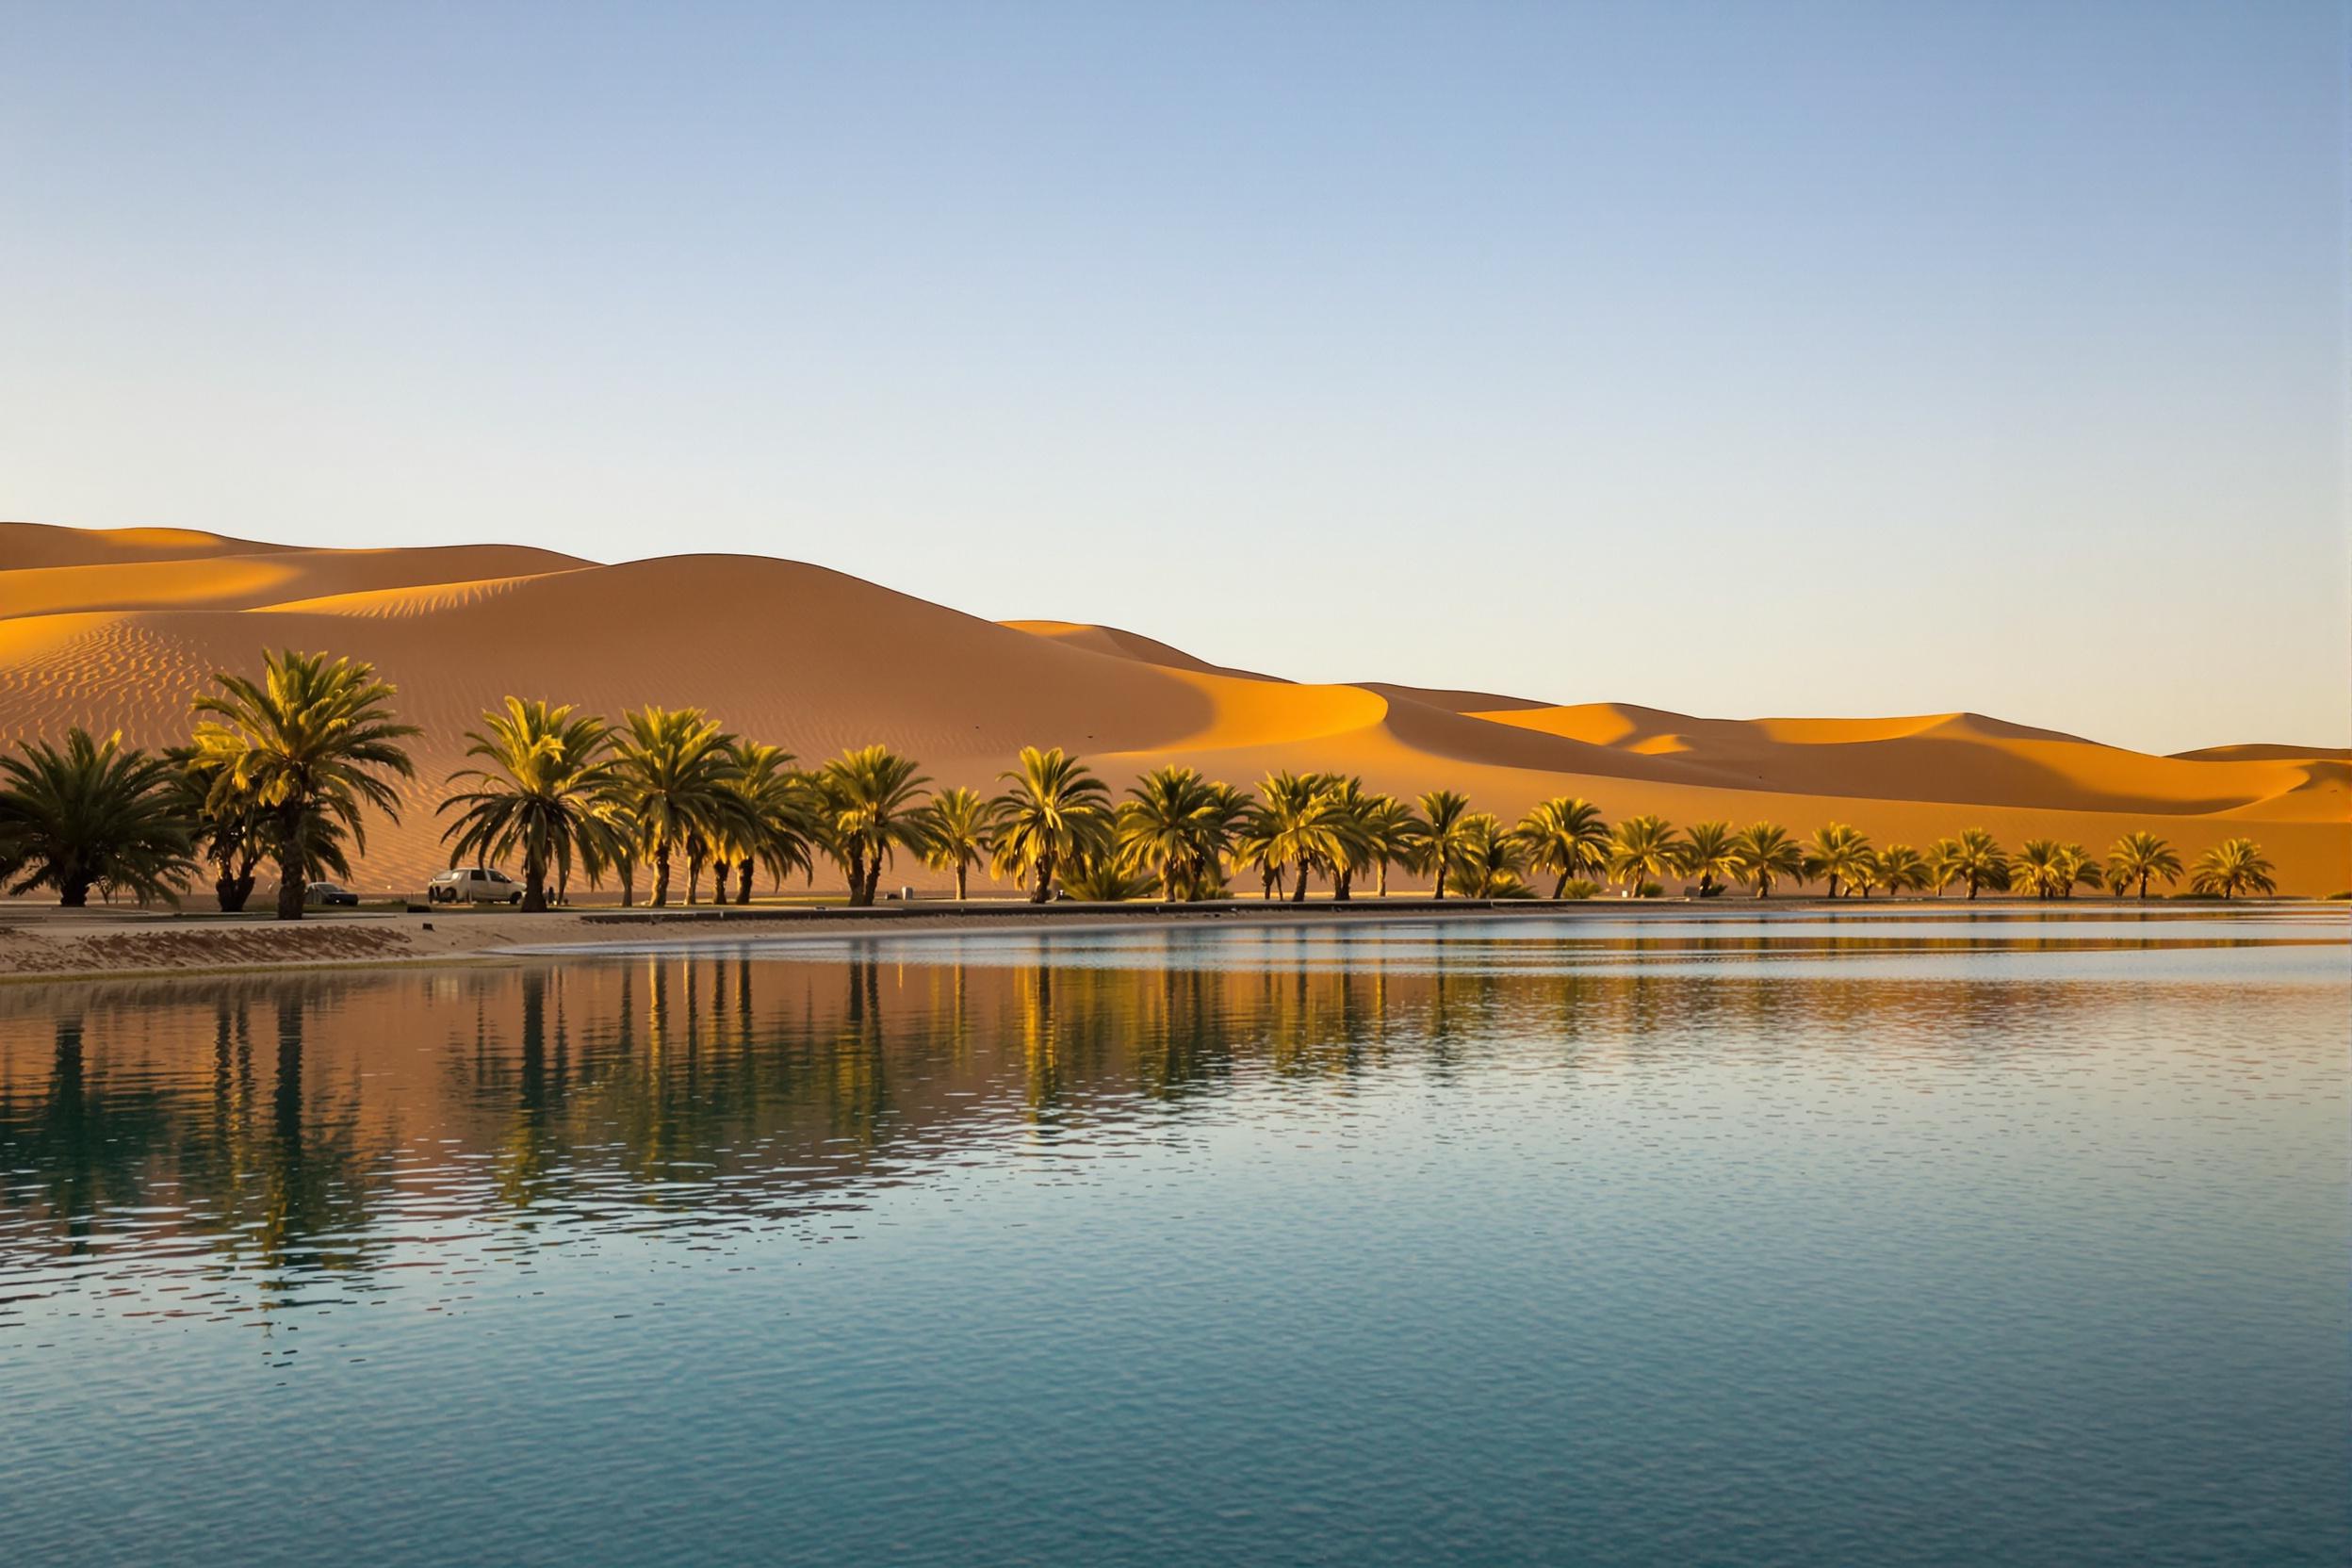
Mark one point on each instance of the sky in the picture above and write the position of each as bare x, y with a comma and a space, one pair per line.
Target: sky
1741, 359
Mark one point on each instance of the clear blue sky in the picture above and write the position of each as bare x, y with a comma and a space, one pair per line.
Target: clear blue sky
1744, 359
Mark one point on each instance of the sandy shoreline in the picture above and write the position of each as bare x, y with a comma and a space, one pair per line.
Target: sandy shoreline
47, 945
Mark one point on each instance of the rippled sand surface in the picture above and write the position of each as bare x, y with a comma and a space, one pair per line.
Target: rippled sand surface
1902, 1239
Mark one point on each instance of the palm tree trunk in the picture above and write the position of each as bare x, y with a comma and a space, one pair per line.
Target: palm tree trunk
1044, 890
1383, 888
290, 864
535, 885
1340, 879
743, 880
963, 876
661, 877
1299, 893
1437, 874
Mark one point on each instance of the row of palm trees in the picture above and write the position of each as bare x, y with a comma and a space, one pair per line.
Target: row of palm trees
283, 769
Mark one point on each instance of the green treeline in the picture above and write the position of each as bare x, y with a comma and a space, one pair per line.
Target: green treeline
282, 768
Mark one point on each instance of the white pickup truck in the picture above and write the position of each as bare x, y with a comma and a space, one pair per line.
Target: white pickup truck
473, 885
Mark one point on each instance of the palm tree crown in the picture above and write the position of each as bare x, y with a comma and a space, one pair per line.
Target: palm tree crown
1056, 810
1766, 856
870, 806
94, 815
537, 795
958, 826
1441, 839
2138, 858
1711, 852
1174, 828
1977, 859
1566, 838
2232, 867
673, 769
312, 741
775, 828
1640, 849
1837, 854
1491, 860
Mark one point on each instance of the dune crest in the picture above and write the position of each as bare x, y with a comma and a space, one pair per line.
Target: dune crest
121, 629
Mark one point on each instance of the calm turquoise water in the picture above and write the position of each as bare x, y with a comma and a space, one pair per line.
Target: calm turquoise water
1521, 1241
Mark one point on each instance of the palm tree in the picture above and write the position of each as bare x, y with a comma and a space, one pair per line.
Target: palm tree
1939, 868
613, 848
870, 806
1441, 838
1174, 829
1901, 868
1866, 872
1977, 860
537, 795
776, 825
311, 742
674, 768
1252, 847
1566, 838
2139, 859
2077, 869
958, 828
96, 814
1302, 825
1388, 828
231, 831
1491, 860
2232, 867
1836, 854
1768, 854
1056, 809
1350, 810
1642, 848
1710, 850
2040, 866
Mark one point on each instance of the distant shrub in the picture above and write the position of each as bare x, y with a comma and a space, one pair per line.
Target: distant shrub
1649, 890
1581, 889
2338, 898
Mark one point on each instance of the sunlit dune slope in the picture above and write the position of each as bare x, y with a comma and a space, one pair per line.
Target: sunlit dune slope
113, 630
1962, 758
1127, 645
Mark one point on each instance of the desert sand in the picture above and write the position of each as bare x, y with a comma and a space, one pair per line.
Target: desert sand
120, 629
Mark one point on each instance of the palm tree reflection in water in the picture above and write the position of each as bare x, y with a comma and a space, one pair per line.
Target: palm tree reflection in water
726, 1089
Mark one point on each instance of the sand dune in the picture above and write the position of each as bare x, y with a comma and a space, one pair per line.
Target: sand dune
1127, 645
121, 629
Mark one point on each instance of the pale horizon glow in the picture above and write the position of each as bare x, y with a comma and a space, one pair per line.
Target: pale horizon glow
1742, 362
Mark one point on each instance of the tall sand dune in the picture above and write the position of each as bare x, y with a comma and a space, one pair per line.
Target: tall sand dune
121, 631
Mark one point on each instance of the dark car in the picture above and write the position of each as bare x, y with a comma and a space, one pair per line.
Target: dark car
323, 894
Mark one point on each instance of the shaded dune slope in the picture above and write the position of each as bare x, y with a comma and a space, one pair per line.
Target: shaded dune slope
121, 629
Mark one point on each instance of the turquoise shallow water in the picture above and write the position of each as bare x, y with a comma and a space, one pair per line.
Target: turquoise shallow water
1735, 1240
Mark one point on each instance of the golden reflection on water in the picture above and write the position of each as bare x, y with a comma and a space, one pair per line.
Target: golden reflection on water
318, 1122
